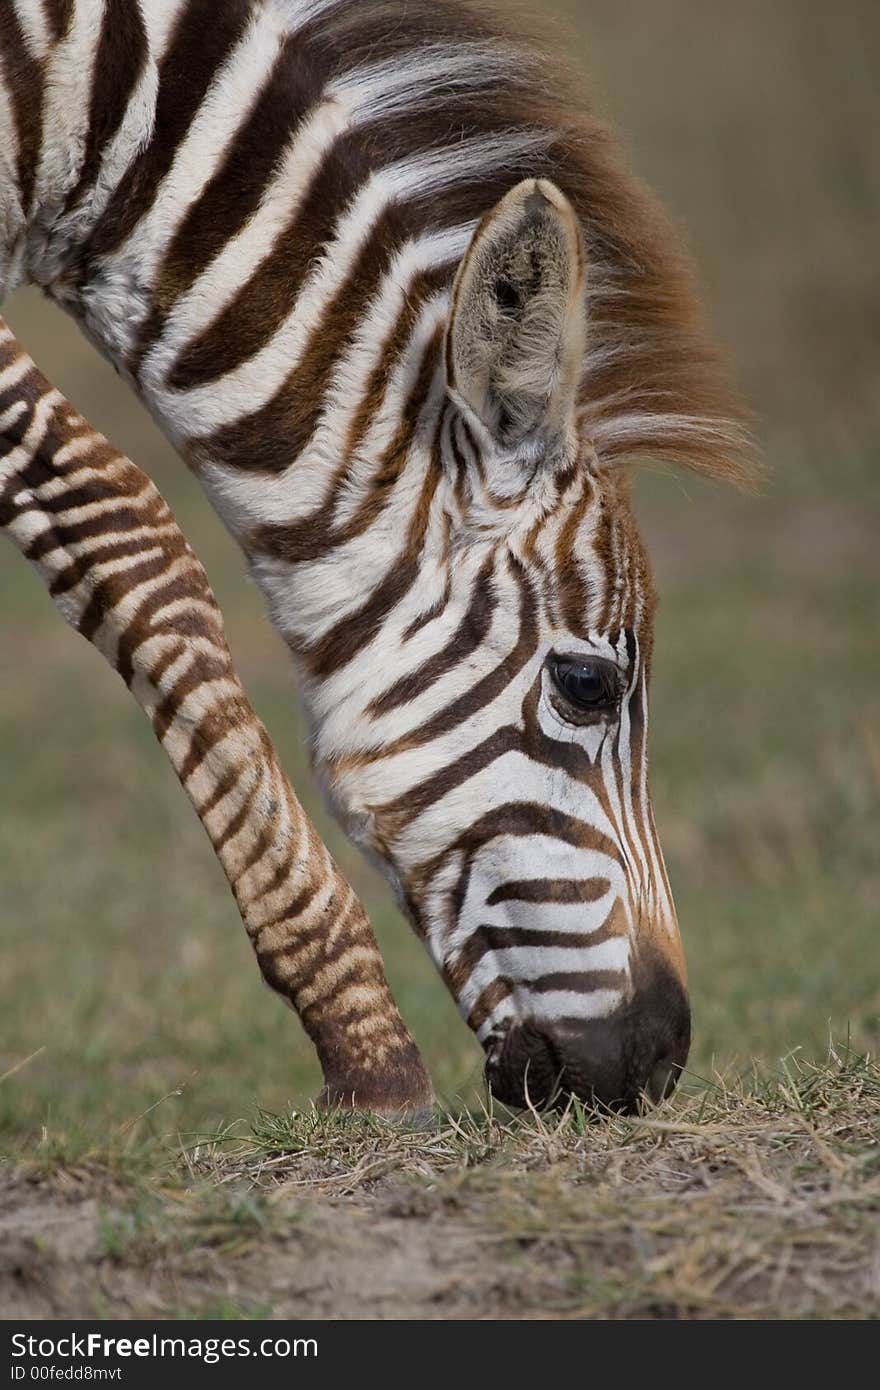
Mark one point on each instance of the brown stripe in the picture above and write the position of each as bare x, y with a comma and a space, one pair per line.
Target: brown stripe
265, 300
630, 551
487, 939
417, 293
313, 537
351, 634
585, 982
302, 399
429, 614
233, 193
76, 571
58, 433
295, 907
232, 828
257, 853
544, 578
105, 596
25, 80
221, 790
263, 303
415, 800
130, 511
604, 550
638, 753
208, 667
578, 981
574, 761
210, 731
487, 1002
9, 508
170, 655
550, 890
189, 622
204, 35
487, 689
89, 493
283, 872
471, 633
58, 15
573, 592
570, 758
443, 560
15, 431
119, 63
463, 483
393, 461
120, 520
500, 938
278, 432
42, 468
143, 627
517, 819
316, 936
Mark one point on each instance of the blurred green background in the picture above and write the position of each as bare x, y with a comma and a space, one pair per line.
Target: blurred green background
122, 961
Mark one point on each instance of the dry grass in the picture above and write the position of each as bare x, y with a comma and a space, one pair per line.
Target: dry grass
749, 1198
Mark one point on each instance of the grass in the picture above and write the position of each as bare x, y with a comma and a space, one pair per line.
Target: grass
743, 1197
133, 1011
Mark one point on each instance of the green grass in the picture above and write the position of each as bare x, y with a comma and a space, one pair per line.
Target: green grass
766, 746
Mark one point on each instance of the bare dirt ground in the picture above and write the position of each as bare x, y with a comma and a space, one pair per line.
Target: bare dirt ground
758, 1202
383, 1254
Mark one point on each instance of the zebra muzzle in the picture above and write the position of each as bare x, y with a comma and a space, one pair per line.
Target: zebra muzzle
630, 1058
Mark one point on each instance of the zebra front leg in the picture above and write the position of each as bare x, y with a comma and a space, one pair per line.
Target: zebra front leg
120, 571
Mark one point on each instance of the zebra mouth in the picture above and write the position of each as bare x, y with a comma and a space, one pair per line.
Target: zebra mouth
624, 1062
525, 1069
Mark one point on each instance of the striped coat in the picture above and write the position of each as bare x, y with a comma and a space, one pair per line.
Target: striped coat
387, 287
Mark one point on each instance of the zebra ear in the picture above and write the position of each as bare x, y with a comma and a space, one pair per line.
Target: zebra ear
515, 343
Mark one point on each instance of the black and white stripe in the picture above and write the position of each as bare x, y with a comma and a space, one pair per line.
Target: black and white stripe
278, 217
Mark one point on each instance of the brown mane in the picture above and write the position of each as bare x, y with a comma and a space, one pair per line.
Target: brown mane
654, 383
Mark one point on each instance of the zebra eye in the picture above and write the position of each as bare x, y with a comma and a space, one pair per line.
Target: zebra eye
589, 683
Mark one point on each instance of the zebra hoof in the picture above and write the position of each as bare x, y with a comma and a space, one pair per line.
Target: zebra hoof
411, 1115
402, 1093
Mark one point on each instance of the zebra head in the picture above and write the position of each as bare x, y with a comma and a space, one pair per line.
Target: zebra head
489, 743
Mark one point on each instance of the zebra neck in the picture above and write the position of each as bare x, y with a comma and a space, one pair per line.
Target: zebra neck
263, 283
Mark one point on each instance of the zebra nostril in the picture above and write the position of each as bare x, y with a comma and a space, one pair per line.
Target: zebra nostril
633, 1054
663, 1079
526, 1070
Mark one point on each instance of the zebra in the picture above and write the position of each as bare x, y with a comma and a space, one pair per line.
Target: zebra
389, 289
